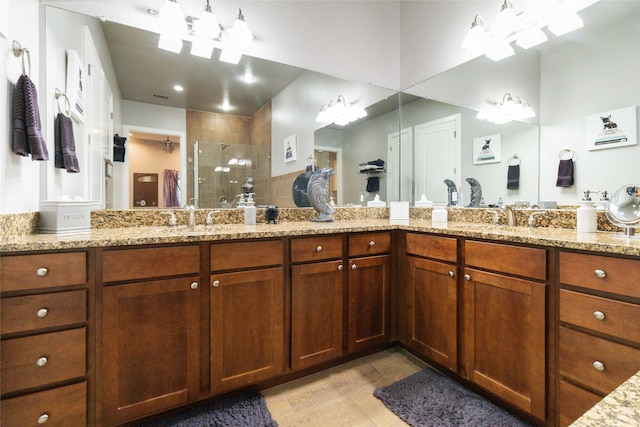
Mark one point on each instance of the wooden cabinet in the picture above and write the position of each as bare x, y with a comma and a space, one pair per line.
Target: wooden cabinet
43, 309
316, 300
150, 333
432, 298
504, 322
247, 313
599, 334
368, 290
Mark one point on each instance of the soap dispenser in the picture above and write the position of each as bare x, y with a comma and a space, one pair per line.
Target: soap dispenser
587, 215
249, 211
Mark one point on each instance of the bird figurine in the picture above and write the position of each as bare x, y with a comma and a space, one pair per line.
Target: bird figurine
476, 193
318, 194
452, 192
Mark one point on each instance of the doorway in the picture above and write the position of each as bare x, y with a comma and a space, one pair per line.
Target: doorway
331, 157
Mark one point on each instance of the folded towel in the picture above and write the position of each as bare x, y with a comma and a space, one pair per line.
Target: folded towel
513, 177
373, 184
65, 145
27, 129
565, 173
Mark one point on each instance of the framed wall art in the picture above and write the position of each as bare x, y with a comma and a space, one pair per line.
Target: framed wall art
613, 128
290, 149
487, 149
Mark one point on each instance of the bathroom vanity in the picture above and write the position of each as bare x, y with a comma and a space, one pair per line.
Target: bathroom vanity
196, 313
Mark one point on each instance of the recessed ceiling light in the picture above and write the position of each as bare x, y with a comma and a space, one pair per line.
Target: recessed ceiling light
178, 88
248, 78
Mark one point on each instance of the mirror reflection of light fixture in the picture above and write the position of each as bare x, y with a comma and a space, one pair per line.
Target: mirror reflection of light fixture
525, 27
173, 27
340, 113
168, 146
236, 41
506, 111
205, 30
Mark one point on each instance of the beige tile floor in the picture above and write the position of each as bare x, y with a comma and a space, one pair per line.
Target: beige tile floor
343, 395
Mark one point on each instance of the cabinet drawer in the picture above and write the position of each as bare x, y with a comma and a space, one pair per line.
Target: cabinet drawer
605, 315
606, 274
579, 352
369, 244
43, 359
574, 401
131, 264
62, 406
316, 248
232, 256
24, 272
32, 312
518, 260
442, 248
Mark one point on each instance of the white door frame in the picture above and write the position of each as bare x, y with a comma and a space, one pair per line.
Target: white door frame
338, 152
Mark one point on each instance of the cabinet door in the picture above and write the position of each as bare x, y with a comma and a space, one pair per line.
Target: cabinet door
246, 327
316, 313
505, 338
369, 303
432, 310
150, 339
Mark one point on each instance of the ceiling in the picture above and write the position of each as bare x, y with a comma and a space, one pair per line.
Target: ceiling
148, 74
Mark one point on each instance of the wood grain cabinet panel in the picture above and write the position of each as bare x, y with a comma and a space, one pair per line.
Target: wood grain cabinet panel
517, 260
437, 247
600, 273
27, 272
147, 263
364, 244
236, 255
573, 402
316, 248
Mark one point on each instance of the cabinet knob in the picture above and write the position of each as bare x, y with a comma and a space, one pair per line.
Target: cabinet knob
600, 274
42, 271
467, 277
43, 418
340, 267
318, 248
372, 243
599, 315
598, 365
353, 266
215, 283
42, 361
42, 312
451, 274
194, 285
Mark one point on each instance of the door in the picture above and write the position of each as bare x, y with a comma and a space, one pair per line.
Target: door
399, 165
369, 302
246, 327
505, 338
145, 190
316, 313
432, 299
151, 347
437, 157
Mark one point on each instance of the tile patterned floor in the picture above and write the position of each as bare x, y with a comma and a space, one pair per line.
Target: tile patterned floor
343, 395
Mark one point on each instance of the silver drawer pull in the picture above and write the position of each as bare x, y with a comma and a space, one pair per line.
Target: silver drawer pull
467, 277
600, 274
43, 418
194, 285
215, 283
318, 248
353, 266
340, 267
372, 243
42, 312
599, 315
598, 365
42, 271
42, 361
451, 274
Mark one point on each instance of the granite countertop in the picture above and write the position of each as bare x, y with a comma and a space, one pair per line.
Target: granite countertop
606, 242
620, 408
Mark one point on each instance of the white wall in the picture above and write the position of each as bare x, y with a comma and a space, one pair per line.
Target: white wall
20, 176
578, 80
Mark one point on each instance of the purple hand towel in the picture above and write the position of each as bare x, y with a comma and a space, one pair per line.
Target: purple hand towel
565, 173
27, 128
65, 145
513, 177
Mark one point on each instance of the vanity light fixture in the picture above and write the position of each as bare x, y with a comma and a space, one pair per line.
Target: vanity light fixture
506, 111
173, 27
205, 30
238, 39
524, 28
340, 113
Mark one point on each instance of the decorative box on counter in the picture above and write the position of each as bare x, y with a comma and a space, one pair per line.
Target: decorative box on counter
64, 217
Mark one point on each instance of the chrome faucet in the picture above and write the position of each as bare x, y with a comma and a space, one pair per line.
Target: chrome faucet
172, 218
209, 219
496, 216
191, 222
511, 215
532, 218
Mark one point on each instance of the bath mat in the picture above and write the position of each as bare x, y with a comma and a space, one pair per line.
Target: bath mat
430, 399
243, 410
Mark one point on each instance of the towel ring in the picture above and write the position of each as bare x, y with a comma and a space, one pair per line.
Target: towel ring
67, 103
567, 151
514, 158
19, 51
